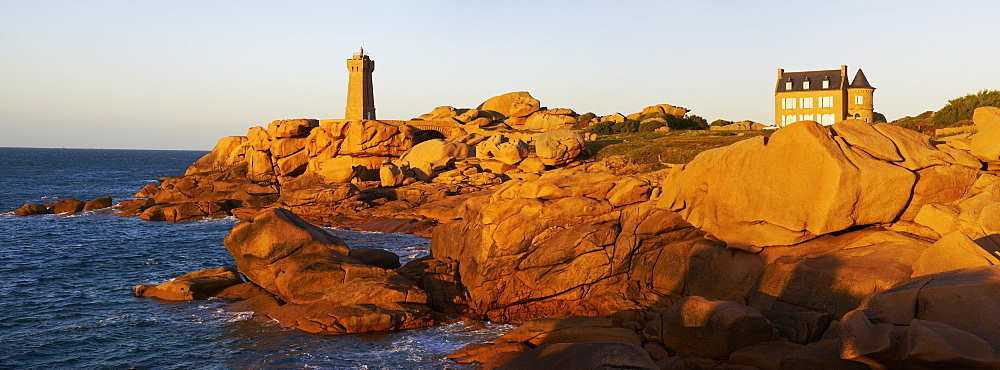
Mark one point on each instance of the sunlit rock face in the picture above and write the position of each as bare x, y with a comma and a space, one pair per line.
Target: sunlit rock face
983, 144
322, 287
582, 243
802, 182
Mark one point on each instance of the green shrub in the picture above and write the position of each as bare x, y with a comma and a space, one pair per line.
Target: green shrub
699, 121
581, 121
626, 126
602, 128
684, 123
960, 109
720, 122
650, 126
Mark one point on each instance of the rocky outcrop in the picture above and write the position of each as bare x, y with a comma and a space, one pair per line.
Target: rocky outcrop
569, 243
544, 120
707, 328
804, 181
513, 104
31, 209
227, 152
583, 356
739, 126
559, 147
202, 195
758, 254
574, 329
834, 273
968, 227
196, 285
502, 148
99, 203
921, 323
472, 117
311, 195
983, 144
68, 206
439, 278
376, 257
666, 109
520, 347
63, 206
429, 157
439, 113
556, 245
322, 287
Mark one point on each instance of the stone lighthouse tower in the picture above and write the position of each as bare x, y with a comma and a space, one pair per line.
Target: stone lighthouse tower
360, 97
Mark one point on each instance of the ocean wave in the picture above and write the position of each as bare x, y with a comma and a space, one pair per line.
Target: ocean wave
349, 230
206, 221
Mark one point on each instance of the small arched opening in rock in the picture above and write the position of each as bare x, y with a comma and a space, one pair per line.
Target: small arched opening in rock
424, 135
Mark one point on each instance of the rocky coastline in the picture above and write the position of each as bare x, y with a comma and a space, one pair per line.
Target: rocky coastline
843, 246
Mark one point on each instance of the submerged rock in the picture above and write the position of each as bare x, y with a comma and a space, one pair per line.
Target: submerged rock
99, 203
69, 206
32, 209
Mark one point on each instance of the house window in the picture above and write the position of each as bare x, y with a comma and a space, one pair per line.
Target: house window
807, 117
788, 85
826, 102
805, 85
826, 119
788, 103
807, 102
826, 84
859, 100
790, 119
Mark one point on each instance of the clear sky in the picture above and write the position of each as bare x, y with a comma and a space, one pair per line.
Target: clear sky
182, 74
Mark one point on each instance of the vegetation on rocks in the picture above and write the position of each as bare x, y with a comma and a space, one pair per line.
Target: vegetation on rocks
650, 150
649, 122
958, 112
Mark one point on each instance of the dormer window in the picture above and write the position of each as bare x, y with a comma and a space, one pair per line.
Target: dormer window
788, 85
805, 84
826, 83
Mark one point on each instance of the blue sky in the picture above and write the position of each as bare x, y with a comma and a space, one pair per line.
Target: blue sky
182, 74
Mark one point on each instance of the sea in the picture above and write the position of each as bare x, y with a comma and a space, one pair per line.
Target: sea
67, 282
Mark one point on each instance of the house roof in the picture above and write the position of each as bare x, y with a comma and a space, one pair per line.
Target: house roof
815, 80
860, 81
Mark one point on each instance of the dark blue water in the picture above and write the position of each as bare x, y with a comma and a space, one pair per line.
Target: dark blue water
66, 282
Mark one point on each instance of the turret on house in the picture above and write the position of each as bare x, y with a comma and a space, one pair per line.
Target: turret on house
825, 96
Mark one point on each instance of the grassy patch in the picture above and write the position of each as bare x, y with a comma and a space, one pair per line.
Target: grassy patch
653, 149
